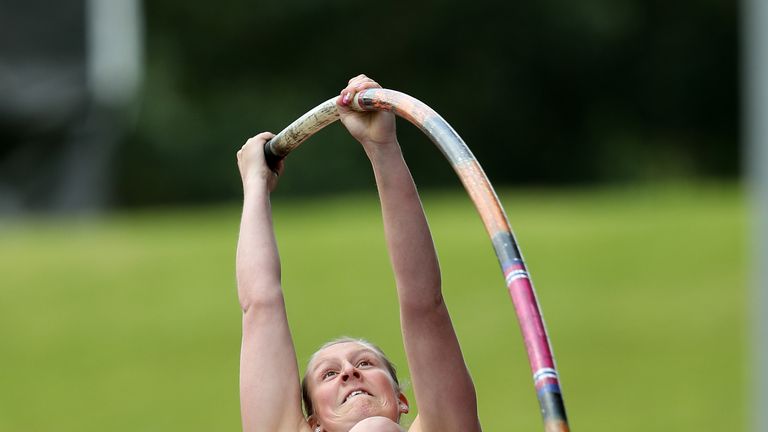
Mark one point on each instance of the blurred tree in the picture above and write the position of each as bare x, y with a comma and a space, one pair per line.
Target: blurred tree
68, 70
543, 92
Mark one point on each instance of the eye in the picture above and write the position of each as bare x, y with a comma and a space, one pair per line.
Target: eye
364, 363
328, 374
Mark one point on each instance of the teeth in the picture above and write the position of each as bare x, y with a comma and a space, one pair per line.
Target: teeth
355, 393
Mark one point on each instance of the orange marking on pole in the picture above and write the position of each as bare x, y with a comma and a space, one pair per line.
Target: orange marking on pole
481, 193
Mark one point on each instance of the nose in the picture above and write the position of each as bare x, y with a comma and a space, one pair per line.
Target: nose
349, 371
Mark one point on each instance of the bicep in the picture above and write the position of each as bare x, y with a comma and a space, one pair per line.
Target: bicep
270, 395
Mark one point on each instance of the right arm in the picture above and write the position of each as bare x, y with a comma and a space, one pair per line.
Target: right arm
444, 391
270, 396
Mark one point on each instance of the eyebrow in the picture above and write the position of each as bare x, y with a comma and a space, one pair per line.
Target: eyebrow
356, 353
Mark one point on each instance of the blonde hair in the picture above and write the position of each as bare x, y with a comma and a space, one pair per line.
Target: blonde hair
308, 408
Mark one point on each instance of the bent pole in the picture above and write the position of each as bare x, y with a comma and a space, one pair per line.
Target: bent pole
545, 377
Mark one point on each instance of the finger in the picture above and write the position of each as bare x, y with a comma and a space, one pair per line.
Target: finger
260, 138
280, 167
348, 93
361, 76
362, 85
358, 83
341, 101
355, 83
264, 136
367, 85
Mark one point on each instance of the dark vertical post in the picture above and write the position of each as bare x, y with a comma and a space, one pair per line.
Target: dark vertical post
755, 109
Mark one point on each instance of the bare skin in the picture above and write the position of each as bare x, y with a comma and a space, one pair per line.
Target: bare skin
349, 384
269, 377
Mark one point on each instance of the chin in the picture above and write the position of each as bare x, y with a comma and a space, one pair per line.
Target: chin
370, 408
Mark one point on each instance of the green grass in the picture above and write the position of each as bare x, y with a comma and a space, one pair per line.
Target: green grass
130, 322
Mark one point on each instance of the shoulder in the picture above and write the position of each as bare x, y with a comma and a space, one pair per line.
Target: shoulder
377, 424
416, 425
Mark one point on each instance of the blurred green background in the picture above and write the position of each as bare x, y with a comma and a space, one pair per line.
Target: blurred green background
131, 322
610, 130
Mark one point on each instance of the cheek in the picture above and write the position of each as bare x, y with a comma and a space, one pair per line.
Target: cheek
384, 382
322, 397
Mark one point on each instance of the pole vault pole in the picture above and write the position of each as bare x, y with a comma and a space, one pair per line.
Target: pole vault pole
755, 97
518, 282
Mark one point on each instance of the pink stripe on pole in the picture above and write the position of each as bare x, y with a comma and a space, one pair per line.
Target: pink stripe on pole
531, 325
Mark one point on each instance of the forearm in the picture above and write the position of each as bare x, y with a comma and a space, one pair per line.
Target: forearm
442, 385
410, 245
270, 397
257, 263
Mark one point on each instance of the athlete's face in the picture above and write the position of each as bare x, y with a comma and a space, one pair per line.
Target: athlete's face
349, 382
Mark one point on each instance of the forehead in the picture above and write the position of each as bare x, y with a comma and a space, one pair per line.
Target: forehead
339, 350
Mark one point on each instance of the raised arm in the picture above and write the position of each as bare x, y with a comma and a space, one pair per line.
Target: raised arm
442, 385
270, 396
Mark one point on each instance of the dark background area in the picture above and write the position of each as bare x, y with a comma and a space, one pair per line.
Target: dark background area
549, 92
544, 93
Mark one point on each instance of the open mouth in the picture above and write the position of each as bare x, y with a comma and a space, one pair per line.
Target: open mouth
355, 394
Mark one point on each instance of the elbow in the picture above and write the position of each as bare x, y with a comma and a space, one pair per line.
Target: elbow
422, 304
257, 302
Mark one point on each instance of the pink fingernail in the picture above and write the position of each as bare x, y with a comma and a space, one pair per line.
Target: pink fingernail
345, 99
